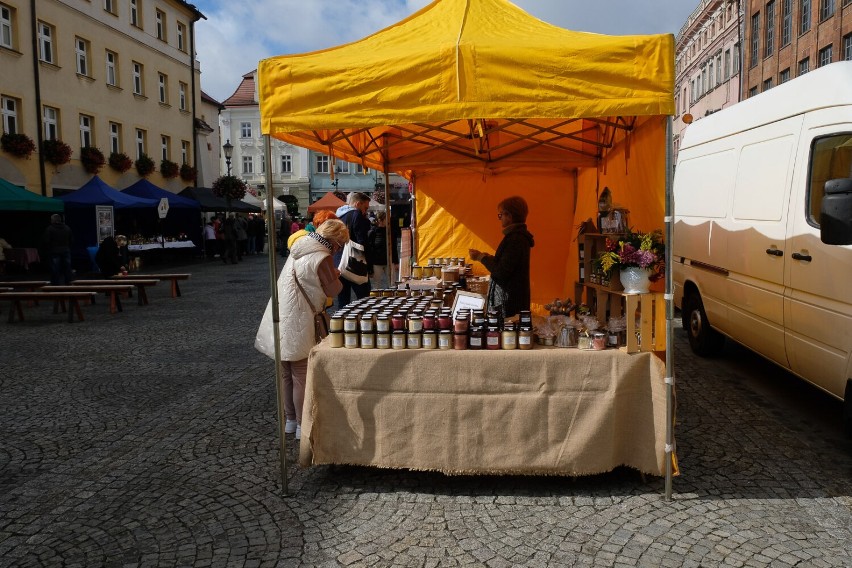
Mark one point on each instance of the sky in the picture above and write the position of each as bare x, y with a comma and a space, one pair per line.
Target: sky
239, 33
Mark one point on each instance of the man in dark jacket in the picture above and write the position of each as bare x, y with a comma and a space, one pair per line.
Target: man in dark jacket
382, 275
354, 216
509, 266
57, 241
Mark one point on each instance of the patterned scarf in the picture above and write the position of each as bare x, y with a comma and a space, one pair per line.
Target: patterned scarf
322, 240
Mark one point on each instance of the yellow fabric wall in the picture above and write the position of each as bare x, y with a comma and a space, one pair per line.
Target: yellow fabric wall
457, 210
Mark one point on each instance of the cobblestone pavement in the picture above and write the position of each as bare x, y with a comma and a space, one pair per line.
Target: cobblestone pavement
148, 438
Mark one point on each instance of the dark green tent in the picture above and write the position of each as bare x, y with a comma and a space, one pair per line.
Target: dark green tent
16, 198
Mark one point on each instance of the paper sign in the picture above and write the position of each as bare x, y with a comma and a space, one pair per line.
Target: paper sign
469, 301
163, 207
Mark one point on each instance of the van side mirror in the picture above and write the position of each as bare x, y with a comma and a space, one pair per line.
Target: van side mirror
835, 215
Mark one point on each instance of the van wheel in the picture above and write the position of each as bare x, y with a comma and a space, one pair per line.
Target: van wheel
703, 339
847, 409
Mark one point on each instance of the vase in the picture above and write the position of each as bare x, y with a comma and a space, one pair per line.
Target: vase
635, 280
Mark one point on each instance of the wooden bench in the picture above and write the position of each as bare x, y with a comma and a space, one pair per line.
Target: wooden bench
141, 285
59, 298
171, 277
114, 292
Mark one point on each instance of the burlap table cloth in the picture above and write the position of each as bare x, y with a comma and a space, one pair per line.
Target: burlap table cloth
542, 411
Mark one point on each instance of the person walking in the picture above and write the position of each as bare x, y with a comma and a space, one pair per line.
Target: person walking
229, 241
308, 277
251, 232
377, 254
57, 240
211, 245
354, 216
240, 226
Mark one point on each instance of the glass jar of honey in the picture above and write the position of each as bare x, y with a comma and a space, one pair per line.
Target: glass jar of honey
398, 339
510, 338
383, 340
492, 337
415, 340
350, 339
368, 340
525, 338
336, 338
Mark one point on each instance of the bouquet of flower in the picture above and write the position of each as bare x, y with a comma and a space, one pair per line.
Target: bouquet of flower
643, 250
229, 187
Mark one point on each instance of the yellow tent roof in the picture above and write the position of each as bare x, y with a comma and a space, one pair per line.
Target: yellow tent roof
469, 83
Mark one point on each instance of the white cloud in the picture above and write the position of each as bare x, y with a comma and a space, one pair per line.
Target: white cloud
236, 35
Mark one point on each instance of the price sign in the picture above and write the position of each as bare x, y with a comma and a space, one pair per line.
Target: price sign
163, 207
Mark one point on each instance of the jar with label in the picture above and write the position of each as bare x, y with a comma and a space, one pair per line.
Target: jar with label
599, 341
492, 337
584, 341
445, 339
461, 323
368, 340
476, 338
398, 322
510, 338
336, 323
430, 339
430, 321
525, 318
493, 318
459, 341
383, 324
445, 321
383, 341
350, 339
478, 318
525, 338
336, 338
612, 339
350, 323
414, 340
417, 272
415, 323
398, 339
367, 322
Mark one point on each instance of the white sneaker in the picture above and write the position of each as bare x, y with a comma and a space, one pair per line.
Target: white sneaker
298, 432
290, 426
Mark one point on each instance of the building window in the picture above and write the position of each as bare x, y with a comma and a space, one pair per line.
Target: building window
140, 142
784, 76
711, 76
109, 6
786, 22
286, 164
181, 36
182, 95
134, 13
826, 9
82, 52
752, 92
342, 167
755, 39
248, 165
245, 130
7, 38
825, 55
161, 25
736, 61
767, 85
719, 69
847, 47
10, 115
727, 73
138, 85
805, 16
769, 44
50, 118
184, 152
163, 82
165, 147
86, 131
112, 68
804, 66
114, 137
45, 42
360, 169
263, 163
322, 164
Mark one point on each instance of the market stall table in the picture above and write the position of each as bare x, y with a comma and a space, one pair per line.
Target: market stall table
544, 411
22, 257
157, 246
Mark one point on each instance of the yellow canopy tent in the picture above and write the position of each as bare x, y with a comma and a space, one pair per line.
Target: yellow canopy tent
476, 100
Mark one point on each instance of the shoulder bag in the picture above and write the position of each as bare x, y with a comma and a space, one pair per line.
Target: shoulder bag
320, 317
353, 263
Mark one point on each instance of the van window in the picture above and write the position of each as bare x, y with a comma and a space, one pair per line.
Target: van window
831, 158
762, 180
703, 183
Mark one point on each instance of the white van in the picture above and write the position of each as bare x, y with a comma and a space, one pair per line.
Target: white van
763, 227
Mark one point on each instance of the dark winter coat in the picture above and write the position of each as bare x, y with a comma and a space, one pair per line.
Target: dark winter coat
359, 229
108, 257
509, 290
377, 249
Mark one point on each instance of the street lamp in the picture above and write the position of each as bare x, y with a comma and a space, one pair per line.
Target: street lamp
228, 148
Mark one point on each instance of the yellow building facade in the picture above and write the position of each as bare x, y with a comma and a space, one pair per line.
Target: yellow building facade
118, 75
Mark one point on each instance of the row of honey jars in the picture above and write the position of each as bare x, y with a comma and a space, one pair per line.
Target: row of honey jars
415, 337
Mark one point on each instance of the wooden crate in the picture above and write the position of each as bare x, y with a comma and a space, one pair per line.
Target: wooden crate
593, 245
646, 314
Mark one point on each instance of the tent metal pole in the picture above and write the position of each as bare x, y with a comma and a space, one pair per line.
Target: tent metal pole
669, 310
273, 292
388, 227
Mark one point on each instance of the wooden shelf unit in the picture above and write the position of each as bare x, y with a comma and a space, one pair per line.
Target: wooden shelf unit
646, 314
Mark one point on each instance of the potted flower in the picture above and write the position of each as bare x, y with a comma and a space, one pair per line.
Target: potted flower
169, 169
17, 144
188, 173
56, 152
92, 159
229, 188
639, 257
144, 165
120, 162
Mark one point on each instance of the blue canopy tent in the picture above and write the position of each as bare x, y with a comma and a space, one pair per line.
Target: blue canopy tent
184, 214
80, 215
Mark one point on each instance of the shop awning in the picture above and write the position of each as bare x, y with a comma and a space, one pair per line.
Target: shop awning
97, 192
146, 189
16, 198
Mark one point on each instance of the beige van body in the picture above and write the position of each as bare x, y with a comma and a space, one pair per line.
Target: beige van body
748, 262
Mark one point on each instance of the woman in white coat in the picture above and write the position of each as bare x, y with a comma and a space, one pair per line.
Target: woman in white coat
310, 266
